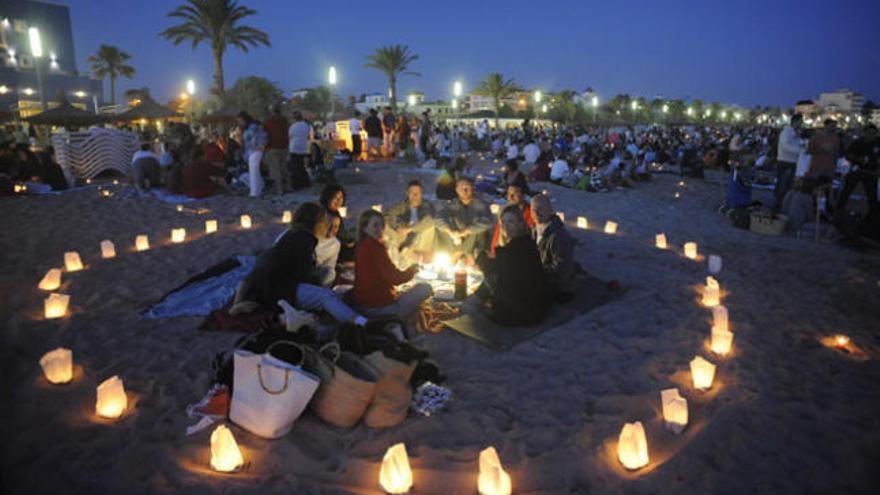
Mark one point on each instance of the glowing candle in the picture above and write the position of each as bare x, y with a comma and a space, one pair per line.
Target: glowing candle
51, 280
702, 373
343, 211
561, 216
494, 209
395, 475
582, 223
841, 341
660, 241
286, 217
142, 242
55, 306
246, 221
377, 208
225, 454
721, 341
179, 207
719, 318
210, 226
493, 480
178, 235
610, 227
58, 365
711, 292
108, 250
111, 401
675, 410
72, 262
714, 264
690, 250
632, 446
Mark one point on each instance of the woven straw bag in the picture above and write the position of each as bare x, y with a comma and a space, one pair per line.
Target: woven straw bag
393, 395
348, 384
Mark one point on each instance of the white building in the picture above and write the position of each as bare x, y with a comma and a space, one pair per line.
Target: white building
875, 116
476, 103
842, 101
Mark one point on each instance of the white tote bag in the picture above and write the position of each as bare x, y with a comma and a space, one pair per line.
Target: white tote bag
269, 394
803, 164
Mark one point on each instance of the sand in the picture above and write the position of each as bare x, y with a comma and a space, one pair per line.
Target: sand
785, 415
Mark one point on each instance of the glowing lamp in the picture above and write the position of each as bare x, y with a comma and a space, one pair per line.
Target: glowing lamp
72, 262
561, 216
714, 264
142, 243
610, 227
246, 221
710, 292
58, 365
660, 241
178, 235
442, 263
841, 341
343, 211
675, 410
719, 318
721, 341
690, 250
632, 446
112, 400
108, 250
494, 208
55, 306
582, 223
377, 208
286, 217
702, 373
51, 280
493, 480
225, 454
179, 207
395, 475
210, 226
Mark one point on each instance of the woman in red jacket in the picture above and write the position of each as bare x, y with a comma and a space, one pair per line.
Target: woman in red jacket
376, 278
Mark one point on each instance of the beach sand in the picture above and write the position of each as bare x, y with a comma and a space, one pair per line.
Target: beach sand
785, 415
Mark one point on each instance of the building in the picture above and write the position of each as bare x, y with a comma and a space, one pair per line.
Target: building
840, 101
475, 103
19, 81
438, 109
807, 108
875, 116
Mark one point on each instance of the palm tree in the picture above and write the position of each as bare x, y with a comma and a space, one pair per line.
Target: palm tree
217, 22
110, 62
393, 60
498, 88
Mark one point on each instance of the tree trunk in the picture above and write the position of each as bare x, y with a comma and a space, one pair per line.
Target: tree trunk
219, 88
113, 90
392, 83
497, 110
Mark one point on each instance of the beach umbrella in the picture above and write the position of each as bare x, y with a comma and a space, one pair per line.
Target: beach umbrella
227, 114
148, 109
66, 115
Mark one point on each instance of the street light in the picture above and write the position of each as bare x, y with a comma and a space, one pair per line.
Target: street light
190, 92
456, 89
331, 79
595, 102
411, 99
37, 52
665, 108
191, 87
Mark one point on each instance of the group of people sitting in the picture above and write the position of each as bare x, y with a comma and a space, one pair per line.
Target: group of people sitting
525, 253
20, 165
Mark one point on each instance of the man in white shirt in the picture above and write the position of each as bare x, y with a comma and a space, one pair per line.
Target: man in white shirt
787, 151
299, 134
558, 169
145, 165
531, 152
512, 151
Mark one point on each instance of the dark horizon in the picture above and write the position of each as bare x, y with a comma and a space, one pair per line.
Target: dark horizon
747, 53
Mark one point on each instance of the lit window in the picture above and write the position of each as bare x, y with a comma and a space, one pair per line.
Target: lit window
28, 91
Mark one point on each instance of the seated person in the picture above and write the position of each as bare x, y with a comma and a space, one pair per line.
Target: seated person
515, 196
514, 177
50, 171
531, 153
515, 284
412, 221
463, 225
559, 169
376, 277
201, 177
555, 247
145, 166
333, 198
327, 252
288, 271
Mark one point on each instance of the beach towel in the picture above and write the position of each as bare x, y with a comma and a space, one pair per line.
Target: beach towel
589, 294
205, 292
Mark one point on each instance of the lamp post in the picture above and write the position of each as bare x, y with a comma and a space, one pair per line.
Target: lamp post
456, 91
537, 97
191, 91
37, 52
331, 79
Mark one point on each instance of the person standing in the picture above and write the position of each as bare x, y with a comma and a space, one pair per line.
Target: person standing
403, 132
254, 139
354, 125
276, 149
299, 136
389, 132
787, 152
426, 129
373, 126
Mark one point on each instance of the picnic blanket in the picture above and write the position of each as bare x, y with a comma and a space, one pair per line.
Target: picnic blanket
205, 292
590, 294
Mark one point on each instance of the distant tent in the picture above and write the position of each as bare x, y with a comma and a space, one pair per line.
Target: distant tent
148, 109
66, 115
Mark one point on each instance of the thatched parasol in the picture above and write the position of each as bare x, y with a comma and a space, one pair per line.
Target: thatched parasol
66, 115
148, 109
226, 114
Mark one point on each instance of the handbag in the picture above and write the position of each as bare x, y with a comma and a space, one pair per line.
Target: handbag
347, 386
393, 394
270, 393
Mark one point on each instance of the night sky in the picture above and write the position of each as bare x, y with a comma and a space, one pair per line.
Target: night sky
749, 52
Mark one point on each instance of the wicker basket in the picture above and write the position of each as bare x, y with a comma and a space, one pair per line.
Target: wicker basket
766, 223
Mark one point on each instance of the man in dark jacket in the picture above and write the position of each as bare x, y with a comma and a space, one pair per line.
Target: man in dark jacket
556, 248
515, 284
413, 221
